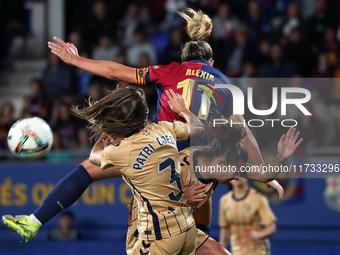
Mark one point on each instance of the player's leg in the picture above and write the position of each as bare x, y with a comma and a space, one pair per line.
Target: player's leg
64, 194
70, 188
184, 244
132, 233
211, 247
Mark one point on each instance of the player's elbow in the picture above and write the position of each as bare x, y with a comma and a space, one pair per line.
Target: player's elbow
94, 159
272, 229
112, 73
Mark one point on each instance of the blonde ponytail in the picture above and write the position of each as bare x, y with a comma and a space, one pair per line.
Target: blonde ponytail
199, 25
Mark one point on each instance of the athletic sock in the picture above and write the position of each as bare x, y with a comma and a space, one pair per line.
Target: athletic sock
65, 193
32, 218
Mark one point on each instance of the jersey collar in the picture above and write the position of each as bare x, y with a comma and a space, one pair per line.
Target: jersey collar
242, 198
200, 61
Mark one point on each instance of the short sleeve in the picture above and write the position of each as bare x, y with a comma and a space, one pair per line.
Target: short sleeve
266, 214
223, 222
153, 74
105, 159
228, 103
114, 155
178, 128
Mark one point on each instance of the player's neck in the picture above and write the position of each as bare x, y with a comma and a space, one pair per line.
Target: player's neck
240, 190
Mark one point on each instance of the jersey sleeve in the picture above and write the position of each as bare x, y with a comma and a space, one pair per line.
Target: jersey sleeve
266, 214
178, 128
228, 103
223, 222
152, 74
114, 155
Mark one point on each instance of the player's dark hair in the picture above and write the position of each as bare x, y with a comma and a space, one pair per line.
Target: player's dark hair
226, 142
199, 26
123, 112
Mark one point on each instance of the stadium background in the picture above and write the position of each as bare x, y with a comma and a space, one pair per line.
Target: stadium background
267, 38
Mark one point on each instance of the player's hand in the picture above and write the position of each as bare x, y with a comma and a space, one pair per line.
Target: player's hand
63, 50
195, 193
288, 144
276, 185
253, 235
72, 49
177, 102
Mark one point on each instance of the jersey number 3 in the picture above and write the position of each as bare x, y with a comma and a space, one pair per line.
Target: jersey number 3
174, 177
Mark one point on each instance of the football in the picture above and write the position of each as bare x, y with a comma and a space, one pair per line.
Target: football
30, 138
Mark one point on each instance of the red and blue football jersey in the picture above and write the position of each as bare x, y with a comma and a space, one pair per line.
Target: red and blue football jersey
191, 79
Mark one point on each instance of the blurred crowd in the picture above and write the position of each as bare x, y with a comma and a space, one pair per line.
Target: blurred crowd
250, 38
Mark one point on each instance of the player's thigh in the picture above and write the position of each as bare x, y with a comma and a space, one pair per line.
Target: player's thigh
190, 241
98, 174
184, 244
211, 247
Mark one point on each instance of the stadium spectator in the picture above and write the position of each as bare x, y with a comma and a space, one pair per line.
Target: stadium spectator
65, 125
257, 23
84, 138
173, 49
316, 25
140, 46
66, 231
298, 51
106, 50
37, 103
323, 70
132, 20
291, 20
56, 76
99, 24
331, 47
277, 66
6, 121
239, 52
224, 24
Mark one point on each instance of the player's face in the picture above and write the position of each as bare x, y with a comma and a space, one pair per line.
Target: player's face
238, 182
219, 161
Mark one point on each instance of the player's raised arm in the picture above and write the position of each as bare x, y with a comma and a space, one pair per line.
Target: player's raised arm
178, 104
285, 148
249, 142
111, 70
98, 148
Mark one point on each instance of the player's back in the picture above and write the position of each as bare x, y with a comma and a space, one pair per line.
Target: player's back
149, 162
191, 79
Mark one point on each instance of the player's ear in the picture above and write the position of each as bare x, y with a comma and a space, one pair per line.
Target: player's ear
211, 62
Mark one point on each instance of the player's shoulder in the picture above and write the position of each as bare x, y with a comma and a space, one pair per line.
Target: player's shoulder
256, 195
171, 66
226, 197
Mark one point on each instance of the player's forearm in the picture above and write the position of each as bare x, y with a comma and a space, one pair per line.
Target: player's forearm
257, 172
252, 148
249, 141
95, 157
97, 149
107, 69
194, 124
224, 236
267, 231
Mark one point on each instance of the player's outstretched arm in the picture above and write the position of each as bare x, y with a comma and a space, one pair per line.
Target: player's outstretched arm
178, 104
249, 142
68, 53
276, 185
98, 148
286, 146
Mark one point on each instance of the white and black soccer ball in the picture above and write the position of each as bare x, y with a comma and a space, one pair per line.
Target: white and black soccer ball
30, 138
